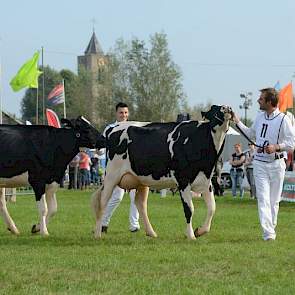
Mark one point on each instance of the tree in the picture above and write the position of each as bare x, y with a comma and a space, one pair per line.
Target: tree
195, 111
148, 80
81, 95
164, 81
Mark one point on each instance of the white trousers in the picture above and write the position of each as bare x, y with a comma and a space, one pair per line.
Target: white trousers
114, 202
269, 178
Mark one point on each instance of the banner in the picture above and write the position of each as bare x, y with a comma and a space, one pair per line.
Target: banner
288, 193
286, 97
52, 118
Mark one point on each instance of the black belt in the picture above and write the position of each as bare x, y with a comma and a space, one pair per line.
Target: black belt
279, 156
237, 169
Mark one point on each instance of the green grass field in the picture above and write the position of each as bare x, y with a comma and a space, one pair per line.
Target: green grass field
231, 259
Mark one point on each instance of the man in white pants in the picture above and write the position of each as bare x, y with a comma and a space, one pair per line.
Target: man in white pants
122, 114
274, 134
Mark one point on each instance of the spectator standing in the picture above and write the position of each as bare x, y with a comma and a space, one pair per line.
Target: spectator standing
249, 169
73, 172
94, 169
216, 178
237, 170
84, 168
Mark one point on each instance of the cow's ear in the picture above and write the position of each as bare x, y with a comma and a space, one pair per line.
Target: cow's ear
66, 123
203, 114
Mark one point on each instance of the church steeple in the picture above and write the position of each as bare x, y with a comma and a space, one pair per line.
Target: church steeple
93, 46
93, 61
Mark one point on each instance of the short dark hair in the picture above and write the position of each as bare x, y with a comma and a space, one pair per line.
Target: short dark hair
270, 94
183, 117
121, 105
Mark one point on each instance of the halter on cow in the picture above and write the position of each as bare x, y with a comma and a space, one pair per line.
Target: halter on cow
164, 155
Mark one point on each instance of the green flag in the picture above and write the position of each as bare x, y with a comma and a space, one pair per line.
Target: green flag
28, 74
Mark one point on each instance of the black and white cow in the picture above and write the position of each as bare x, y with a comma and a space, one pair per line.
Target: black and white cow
164, 155
38, 155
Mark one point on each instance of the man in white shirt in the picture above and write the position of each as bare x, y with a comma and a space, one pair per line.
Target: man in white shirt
122, 114
274, 134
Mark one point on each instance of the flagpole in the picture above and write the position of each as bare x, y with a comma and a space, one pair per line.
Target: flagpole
37, 99
37, 109
0, 90
43, 87
63, 85
1, 106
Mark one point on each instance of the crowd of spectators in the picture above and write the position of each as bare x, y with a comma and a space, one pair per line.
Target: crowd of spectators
86, 169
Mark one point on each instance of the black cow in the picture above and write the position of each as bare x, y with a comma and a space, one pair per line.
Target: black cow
38, 155
164, 155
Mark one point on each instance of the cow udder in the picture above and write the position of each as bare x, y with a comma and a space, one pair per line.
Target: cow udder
129, 181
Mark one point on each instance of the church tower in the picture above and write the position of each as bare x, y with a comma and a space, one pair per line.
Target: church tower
93, 61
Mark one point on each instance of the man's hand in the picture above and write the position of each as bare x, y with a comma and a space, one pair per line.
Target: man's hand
235, 118
272, 148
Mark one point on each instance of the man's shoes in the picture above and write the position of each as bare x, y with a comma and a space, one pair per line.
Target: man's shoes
134, 230
270, 239
104, 229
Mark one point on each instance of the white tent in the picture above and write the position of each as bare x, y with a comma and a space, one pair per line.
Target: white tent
232, 131
232, 137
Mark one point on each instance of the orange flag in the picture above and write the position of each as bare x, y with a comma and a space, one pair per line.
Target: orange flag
286, 97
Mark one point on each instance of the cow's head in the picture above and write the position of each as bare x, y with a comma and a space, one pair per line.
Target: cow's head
86, 134
217, 115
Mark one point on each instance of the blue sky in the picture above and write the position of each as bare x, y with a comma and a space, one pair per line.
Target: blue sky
222, 47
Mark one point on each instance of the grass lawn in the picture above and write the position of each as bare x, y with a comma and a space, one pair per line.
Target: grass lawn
231, 259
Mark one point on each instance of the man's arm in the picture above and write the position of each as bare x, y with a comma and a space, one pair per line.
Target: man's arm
250, 132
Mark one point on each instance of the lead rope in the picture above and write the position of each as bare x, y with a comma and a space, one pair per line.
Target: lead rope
251, 141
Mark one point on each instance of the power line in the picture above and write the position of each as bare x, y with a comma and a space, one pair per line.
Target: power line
238, 65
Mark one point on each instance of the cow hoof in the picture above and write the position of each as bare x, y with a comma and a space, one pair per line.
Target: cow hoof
97, 236
196, 232
152, 235
45, 234
13, 231
35, 229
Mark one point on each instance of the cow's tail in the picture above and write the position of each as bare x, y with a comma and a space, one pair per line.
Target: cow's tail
95, 204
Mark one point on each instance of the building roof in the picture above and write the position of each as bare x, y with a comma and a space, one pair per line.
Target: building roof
93, 46
10, 119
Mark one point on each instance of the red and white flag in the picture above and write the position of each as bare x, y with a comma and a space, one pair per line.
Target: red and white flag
52, 118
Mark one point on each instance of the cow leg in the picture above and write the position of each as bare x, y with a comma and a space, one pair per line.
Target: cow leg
4, 212
99, 201
43, 211
51, 200
188, 207
141, 204
39, 189
210, 202
51, 205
